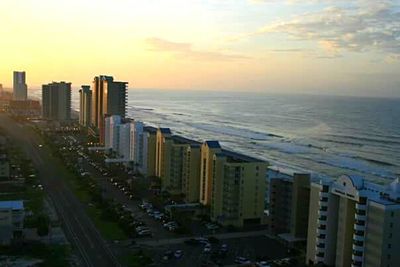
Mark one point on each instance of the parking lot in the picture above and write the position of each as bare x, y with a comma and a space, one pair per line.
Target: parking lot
236, 251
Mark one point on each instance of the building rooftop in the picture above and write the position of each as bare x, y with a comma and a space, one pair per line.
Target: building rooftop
237, 157
165, 130
14, 204
213, 144
150, 129
183, 140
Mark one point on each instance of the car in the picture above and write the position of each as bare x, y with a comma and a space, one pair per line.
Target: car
207, 248
262, 264
145, 233
242, 260
178, 254
224, 248
202, 240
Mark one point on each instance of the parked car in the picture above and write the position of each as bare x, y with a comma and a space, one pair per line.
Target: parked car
178, 254
242, 260
207, 248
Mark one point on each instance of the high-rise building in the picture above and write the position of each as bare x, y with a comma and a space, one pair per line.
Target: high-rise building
136, 145
85, 105
20, 89
170, 159
149, 151
111, 132
108, 98
288, 204
208, 150
191, 173
236, 184
56, 101
353, 222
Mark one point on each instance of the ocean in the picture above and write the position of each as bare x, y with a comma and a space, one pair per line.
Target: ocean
324, 135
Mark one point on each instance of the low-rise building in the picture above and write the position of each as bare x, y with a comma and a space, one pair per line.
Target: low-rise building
353, 222
11, 220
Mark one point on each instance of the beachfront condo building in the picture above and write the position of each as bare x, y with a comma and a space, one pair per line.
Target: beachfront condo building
111, 132
208, 150
20, 89
232, 186
85, 105
149, 151
288, 204
353, 222
56, 101
136, 145
170, 151
108, 98
191, 173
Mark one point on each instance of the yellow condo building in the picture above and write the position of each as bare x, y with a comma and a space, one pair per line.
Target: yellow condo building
176, 164
232, 185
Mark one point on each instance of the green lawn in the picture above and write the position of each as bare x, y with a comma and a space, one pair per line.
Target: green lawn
109, 230
135, 260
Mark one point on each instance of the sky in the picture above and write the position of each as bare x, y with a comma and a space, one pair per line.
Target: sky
282, 46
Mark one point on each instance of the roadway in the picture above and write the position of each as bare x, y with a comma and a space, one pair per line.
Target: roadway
78, 227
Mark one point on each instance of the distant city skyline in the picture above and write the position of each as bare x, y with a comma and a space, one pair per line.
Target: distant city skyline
311, 47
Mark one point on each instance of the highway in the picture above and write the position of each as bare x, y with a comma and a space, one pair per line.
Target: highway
78, 227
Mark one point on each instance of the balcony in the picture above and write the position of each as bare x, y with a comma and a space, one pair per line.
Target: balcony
360, 217
319, 249
319, 239
361, 206
358, 248
322, 213
323, 194
323, 204
319, 258
357, 237
359, 227
356, 258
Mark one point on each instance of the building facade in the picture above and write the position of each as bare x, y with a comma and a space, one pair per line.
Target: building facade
108, 98
237, 189
136, 145
208, 150
56, 101
149, 151
353, 222
191, 173
85, 106
20, 89
111, 140
11, 220
4, 167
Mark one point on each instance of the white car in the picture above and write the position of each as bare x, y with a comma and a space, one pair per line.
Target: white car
207, 248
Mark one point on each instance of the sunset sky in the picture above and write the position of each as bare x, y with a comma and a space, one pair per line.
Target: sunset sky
315, 46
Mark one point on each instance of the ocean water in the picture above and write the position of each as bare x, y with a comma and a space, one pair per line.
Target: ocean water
324, 135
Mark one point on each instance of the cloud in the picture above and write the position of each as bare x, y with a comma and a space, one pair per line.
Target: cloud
366, 26
185, 50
